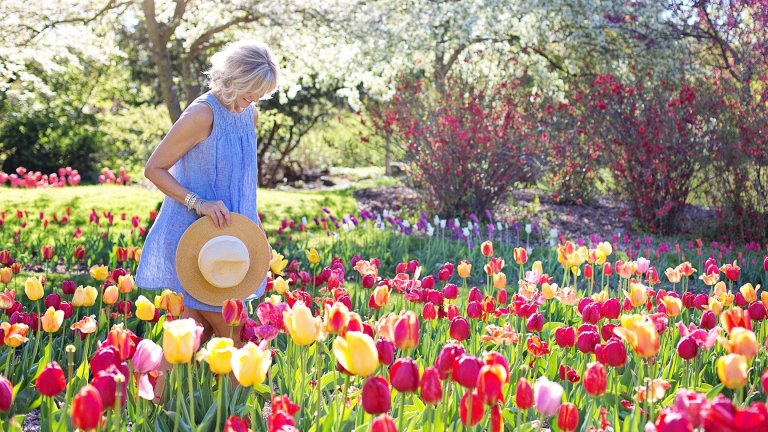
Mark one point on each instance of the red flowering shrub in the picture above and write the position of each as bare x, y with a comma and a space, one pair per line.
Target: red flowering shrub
469, 145
654, 139
573, 151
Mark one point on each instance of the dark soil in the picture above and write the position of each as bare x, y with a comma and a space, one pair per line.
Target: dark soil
605, 216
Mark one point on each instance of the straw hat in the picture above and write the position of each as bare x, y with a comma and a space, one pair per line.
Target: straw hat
218, 264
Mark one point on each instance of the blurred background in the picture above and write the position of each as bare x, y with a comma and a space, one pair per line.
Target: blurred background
644, 115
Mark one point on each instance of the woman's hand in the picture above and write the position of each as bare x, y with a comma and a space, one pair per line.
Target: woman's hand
218, 212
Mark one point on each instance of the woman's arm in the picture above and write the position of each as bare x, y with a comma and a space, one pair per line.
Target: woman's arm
194, 125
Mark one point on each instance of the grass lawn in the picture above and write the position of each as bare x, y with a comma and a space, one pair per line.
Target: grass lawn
135, 200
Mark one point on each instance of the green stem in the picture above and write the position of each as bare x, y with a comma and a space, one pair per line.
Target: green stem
317, 385
344, 397
221, 402
401, 416
50, 412
11, 352
175, 373
191, 396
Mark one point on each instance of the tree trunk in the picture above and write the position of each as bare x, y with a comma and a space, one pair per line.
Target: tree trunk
161, 57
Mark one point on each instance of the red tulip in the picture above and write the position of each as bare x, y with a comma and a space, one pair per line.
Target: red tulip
451, 292
459, 329
568, 417
592, 313
569, 373
104, 357
489, 383
376, 396
764, 381
6, 394
52, 300
428, 282
487, 248
524, 394
383, 423
233, 312
78, 253
466, 369
235, 424
445, 360
386, 351
756, 311
595, 380
765, 264
404, 375
106, 383
477, 408
615, 353
429, 312
607, 269
68, 287
123, 340
406, 331
687, 348
86, 408
51, 380
611, 308
708, 320
535, 323
670, 420
431, 389
586, 341
47, 252
474, 310
565, 337
493, 358
445, 272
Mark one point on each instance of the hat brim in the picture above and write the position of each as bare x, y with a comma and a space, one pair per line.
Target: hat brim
197, 235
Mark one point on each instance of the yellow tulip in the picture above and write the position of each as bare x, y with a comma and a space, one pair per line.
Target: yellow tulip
464, 269
274, 299
605, 247
601, 296
33, 288
637, 295
303, 327
52, 320
641, 334
110, 296
537, 267
764, 298
218, 354
749, 292
278, 263
251, 364
312, 256
357, 353
99, 272
181, 338
732, 370
741, 341
548, 291
715, 306
145, 310
673, 305
499, 281
280, 285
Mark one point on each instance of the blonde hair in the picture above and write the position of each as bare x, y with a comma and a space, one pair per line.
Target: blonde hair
243, 67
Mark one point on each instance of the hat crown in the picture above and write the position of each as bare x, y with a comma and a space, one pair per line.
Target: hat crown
223, 261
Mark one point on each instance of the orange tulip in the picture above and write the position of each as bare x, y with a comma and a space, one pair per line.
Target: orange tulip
732, 370
741, 341
464, 268
735, 317
641, 334
520, 255
673, 305
15, 334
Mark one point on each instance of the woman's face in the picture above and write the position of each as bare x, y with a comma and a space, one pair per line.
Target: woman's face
245, 99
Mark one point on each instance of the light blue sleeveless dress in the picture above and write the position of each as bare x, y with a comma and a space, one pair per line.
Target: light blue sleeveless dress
221, 167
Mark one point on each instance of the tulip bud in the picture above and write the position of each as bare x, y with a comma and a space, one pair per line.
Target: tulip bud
6, 394
451, 292
708, 320
595, 380
535, 323
404, 375
406, 331
429, 312
232, 311
474, 310
431, 389
565, 337
383, 423
586, 341
466, 369
428, 282
487, 248
477, 408
568, 417
445, 360
86, 408
52, 300
459, 329
524, 394
489, 383
445, 272
611, 308
51, 380
687, 348
386, 351
376, 396
475, 295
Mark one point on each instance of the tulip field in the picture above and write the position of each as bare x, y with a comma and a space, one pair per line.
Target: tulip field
375, 323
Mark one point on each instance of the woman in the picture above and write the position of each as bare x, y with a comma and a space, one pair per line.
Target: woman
206, 166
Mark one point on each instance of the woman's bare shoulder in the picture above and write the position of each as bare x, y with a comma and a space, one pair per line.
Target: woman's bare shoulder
198, 119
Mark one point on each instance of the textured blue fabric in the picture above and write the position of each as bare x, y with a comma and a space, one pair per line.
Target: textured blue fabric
221, 167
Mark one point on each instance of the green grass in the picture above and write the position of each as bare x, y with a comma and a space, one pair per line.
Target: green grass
134, 200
